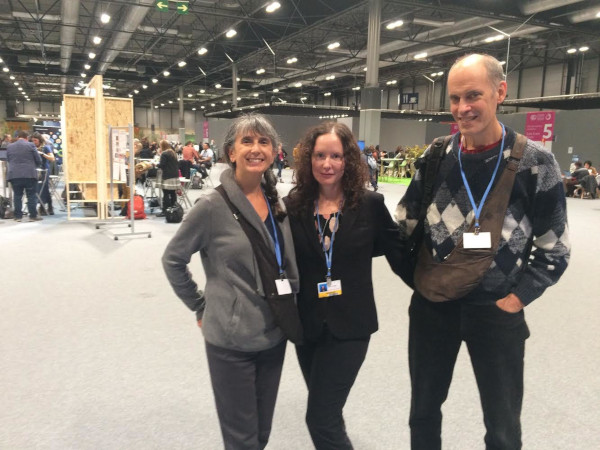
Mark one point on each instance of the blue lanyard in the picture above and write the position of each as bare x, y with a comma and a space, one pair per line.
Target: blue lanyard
477, 209
328, 254
275, 239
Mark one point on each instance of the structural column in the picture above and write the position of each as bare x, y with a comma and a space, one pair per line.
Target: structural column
152, 120
234, 85
370, 107
181, 117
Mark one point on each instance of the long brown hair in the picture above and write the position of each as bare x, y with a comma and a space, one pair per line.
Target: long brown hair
355, 176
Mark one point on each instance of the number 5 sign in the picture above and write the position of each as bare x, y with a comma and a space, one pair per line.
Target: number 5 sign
539, 126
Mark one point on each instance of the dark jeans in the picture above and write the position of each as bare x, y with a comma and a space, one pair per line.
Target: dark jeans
330, 366
279, 167
496, 343
45, 192
29, 185
245, 385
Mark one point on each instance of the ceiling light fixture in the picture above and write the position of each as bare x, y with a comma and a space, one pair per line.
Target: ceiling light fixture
92, 55
12, 77
16, 83
224, 102
292, 60
394, 24
421, 55
585, 48
5, 69
213, 105
327, 94
330, 77
230, 33
260, 71
166, 73
218, 86
356, 88
202, 51
154, 80
273, 6
190, 95
202, 91
181, 63
96, 40
333, 45
571, 50
275, 90
144, 86
298, 84
104, 18
83, 75
389, 83
135, 91
87, 67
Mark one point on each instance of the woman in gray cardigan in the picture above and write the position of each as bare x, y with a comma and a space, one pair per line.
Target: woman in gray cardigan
244, 346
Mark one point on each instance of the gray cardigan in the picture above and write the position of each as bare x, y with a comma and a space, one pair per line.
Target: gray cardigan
236, 314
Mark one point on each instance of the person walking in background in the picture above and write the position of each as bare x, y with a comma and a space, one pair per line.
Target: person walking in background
169, 180
280, 161
47, 154
23, 161
522, 238
244, 346
338, 227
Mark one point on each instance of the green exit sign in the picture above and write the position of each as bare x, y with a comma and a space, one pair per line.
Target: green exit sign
162, 5
183, 7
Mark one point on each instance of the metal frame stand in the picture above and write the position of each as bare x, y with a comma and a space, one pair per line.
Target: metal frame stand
115, 220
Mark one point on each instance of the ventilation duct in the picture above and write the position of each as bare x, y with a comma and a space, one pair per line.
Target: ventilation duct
70, 14
132, 20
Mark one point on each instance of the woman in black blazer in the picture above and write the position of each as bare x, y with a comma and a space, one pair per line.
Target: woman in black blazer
338, 227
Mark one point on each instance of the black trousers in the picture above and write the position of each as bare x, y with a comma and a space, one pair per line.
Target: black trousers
330, 366
169, 198
496, 343
245, 385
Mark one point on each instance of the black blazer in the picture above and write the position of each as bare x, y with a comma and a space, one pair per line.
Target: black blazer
365, 231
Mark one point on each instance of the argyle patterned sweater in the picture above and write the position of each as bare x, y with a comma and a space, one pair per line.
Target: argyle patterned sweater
534, 248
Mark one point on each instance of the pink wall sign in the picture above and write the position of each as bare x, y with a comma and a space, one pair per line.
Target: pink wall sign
539, 126
205, 129
453, 128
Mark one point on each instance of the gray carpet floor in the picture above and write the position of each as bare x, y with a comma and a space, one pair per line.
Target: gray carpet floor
96, 352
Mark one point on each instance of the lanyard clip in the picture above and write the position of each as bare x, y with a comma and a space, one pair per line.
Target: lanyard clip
476, 231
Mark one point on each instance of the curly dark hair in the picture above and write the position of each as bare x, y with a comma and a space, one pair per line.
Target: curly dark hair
354, 179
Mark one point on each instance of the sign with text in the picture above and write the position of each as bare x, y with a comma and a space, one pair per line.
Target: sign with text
205, 129
539, 126
410, 98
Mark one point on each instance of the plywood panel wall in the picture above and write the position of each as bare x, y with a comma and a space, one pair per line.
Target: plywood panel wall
118, 113
80, 138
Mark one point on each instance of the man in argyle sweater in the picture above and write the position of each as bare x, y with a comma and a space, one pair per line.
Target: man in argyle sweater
532, 255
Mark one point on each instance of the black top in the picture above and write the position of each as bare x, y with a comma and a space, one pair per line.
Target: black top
367, 231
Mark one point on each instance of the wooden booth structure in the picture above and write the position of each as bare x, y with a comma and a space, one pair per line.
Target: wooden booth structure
86, 165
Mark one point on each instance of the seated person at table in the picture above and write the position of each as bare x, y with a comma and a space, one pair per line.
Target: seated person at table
576, 176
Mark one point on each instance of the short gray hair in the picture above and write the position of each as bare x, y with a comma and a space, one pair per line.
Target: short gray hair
253, 123
493, 67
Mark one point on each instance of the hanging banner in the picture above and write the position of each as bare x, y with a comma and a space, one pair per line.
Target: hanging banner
205, 129
539, 127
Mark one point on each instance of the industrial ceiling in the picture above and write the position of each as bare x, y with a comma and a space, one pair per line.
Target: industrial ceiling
50, 47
